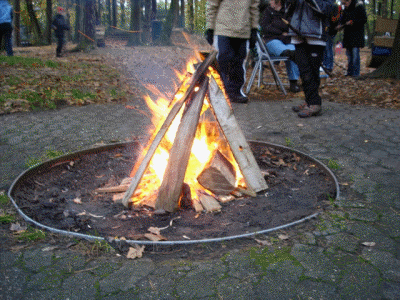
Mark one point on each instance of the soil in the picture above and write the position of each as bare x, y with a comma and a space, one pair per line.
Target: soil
61, 194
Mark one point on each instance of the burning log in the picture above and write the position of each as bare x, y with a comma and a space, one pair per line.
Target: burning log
171, 186
255, 182
209, 203
218, 176
144, 163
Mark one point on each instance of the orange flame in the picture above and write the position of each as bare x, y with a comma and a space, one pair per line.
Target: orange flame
208, 139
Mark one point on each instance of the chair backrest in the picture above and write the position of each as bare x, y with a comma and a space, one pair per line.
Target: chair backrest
263, 52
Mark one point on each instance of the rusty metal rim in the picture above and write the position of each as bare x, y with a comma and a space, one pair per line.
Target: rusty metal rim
180, 242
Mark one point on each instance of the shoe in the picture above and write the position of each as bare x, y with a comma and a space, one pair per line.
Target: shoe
300, 107
289, 54
309, 111
239, 99
294, 88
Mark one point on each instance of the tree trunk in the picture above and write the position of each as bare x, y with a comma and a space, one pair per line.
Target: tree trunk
153, 10
391, 66
78, 21
168, 24
17, 22
49, 18
123, 18
384, 9
146, 37
135, 37
108, 9
36, 26
182, 15
191, 15
90, 22
114, 13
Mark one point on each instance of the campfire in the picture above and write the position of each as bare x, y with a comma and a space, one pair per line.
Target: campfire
197, 157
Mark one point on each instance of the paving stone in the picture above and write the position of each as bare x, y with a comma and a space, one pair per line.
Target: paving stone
37, 259
317, 265
79, 286
308, 289
234, 288
12, 283
343, 241
127, 276
362, 215
391, 290
368, 233
388, 265
360, 281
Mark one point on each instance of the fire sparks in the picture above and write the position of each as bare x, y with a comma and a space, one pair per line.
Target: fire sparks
208, 140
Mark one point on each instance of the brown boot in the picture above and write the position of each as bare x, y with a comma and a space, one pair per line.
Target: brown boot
300, 107
308, 111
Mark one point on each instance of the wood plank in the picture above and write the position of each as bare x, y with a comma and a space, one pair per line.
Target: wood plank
240, 148
171, 186
142, 164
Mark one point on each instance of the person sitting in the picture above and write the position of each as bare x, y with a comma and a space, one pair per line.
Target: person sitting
275, 34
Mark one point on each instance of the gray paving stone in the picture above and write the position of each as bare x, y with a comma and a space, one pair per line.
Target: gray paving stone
127, 276
363, 215
388, 265
343, 241
12, 283
391, 290
317, 265
79, 286
308, 289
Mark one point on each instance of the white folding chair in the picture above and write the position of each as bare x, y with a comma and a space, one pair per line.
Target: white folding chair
264, 57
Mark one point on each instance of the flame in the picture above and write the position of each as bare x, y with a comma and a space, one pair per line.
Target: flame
207, 140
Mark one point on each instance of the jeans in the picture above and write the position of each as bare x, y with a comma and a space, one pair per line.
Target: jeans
60, 44
231, 57
5, 31
309, 58
275, 48
353, 62
328, 54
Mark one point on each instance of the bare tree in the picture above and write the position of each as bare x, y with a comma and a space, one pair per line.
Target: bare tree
114, 13
135, 26
32, 16
49, 16
17, 22
191, 15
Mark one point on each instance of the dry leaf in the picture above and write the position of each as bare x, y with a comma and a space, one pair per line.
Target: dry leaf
154, 230
77, 200
17, 227
283, 236
135, 252
154, 237
369, 244
263, 242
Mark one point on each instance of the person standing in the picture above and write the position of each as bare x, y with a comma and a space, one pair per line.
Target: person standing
308, 29
59, 25
333, 23
233, 22
275, 35
6, 16
353, 21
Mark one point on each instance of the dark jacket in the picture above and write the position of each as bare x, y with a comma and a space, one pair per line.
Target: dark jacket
311, 18
354, 34
272, 26
59, 25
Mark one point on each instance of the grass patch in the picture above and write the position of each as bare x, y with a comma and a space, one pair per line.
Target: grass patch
333, 165
266, 257
31, 235
49, 154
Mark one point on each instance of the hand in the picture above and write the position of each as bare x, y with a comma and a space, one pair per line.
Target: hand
253, 38
210, 36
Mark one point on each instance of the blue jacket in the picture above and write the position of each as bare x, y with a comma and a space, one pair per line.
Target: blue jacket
59, 25
311, 18
6, 12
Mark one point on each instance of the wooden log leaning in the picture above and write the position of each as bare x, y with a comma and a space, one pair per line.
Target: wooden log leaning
171, 186
240, 148
142, 165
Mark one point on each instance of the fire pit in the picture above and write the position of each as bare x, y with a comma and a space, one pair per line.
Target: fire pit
197, 180
59, 195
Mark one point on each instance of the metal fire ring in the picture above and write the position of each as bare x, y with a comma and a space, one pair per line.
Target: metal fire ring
181, 242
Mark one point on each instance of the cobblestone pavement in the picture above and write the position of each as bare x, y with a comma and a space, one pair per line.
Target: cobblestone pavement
351, 251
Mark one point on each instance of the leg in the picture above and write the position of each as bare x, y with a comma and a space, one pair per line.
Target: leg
309, 58
8, 41
238, 70
328, 54
59, 46
350, 60
356, 61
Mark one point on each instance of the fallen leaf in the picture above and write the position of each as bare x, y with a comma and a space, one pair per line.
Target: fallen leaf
283, 236
17, 227
77, 201
154, 230
154, 237
263, 242
369, 244
135, 252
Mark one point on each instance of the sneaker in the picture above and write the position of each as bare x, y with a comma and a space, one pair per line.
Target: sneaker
308, 111
239, 99
300, 107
